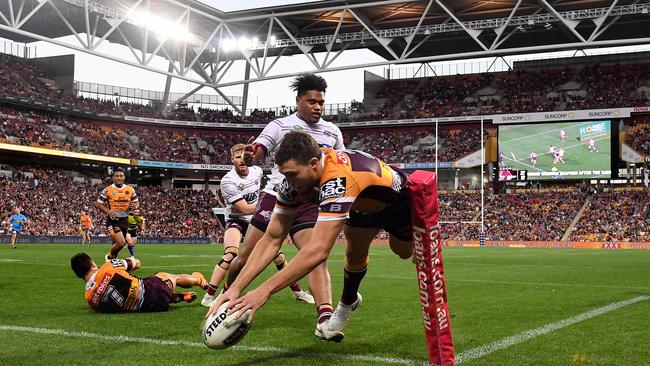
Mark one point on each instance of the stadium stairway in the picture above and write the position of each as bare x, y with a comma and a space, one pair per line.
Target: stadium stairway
569, 230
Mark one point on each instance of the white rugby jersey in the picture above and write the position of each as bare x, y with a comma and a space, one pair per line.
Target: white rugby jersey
326, 134
235, 187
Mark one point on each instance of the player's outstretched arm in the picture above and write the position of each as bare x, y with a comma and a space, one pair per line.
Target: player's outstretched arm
264, 252
308, 258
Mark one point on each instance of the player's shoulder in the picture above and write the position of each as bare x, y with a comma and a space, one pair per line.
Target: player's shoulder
230, 177
256, 172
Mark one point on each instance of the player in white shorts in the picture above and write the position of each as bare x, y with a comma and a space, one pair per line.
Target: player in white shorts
240, 188
533, 158
310, 97
560, 156
563, 135
592, 145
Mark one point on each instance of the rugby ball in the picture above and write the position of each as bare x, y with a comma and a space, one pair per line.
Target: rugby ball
221, 330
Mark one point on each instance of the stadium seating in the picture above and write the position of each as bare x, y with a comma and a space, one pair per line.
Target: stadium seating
616, 215
639, 137
42, 194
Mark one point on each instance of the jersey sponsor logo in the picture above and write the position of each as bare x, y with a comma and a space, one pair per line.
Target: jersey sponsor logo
333, 188
251, 197
342, 158
286, 192
100, 289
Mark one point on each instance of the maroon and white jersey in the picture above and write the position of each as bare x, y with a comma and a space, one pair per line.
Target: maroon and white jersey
235, 188
326, 134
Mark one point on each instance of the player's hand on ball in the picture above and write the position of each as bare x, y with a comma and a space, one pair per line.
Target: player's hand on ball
232, 293
251, 301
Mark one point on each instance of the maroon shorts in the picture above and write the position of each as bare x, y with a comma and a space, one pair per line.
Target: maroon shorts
157, 294
240, 225
305, 217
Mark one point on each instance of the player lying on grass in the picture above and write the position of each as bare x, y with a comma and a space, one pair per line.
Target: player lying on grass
356, 193
111, 288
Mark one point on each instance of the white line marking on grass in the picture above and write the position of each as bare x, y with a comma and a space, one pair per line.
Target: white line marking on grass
580, 285
169, 342
10, 260
507, 342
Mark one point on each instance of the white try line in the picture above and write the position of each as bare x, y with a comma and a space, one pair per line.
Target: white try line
507, 342
169, 342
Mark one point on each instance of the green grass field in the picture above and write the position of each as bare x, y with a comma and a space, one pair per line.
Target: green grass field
524, 139
494, 293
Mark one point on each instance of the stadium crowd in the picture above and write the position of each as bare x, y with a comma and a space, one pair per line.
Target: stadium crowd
615, 215
638, 137
533, 215
53, 200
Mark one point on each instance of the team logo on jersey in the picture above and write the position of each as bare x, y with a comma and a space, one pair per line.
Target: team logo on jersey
333, 188
286, 192
298, 128
342, 158
241, 186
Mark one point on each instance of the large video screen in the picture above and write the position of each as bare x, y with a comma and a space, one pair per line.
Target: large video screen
568, 150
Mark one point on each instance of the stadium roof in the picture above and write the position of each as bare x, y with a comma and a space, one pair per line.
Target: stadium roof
197, 37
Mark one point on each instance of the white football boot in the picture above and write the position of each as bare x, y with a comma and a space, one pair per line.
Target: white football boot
332, 329
208, 300
303, 296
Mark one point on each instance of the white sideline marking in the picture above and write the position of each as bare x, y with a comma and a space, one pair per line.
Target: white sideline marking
507, 342
163, 342
10, 260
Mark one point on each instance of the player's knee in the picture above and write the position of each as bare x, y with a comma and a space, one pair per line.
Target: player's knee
230, 253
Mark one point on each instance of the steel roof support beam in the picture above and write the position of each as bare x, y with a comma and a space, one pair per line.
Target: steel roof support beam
499, 31
115, 22
277, 58
128, 45
473, 54
4, 19
266, 44
246, 53
410, 38
31, 13
202, 48
20, 11
382, 41
304, 49
599, 28
330, 45
65, 21
471, 32
11, 12
570, 24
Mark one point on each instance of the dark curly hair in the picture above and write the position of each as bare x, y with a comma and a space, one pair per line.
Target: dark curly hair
304, 82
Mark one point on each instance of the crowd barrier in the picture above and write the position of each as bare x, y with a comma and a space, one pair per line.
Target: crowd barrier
551, 244
40, 239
